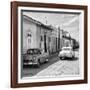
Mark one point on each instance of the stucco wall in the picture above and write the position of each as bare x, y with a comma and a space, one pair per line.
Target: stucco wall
29, 27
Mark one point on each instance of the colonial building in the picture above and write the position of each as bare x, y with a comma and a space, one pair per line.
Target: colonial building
45, 37
36, 35
69, 41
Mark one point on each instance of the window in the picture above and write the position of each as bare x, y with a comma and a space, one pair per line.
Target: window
41, 37
29, 35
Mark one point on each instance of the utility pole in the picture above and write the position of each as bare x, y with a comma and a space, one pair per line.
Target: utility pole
45, 44
59, 38
46, 20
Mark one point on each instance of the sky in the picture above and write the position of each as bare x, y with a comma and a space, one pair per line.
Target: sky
67, 22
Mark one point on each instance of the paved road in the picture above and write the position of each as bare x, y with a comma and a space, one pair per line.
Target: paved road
55, 67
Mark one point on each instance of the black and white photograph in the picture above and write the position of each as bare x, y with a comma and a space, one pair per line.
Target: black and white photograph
49, 44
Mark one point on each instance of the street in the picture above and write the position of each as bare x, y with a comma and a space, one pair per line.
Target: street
55, 67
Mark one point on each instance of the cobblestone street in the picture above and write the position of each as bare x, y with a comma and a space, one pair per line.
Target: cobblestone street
61, 68
55, 67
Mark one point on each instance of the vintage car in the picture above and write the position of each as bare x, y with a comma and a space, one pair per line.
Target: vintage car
35, 57
66, 52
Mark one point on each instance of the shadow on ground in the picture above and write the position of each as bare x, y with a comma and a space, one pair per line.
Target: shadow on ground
29, 71
71, 59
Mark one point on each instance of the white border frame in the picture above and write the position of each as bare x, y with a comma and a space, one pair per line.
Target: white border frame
64, 78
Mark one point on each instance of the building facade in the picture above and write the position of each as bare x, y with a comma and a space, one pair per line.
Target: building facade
36, 35
47, 38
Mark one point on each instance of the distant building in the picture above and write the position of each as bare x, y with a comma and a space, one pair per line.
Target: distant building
62, 40
67, 39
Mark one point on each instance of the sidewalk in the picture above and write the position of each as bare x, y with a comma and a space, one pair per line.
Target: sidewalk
53, 55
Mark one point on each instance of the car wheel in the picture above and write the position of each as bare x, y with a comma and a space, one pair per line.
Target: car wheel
73, 57
61, 58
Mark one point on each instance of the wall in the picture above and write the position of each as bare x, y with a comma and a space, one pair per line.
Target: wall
5, 47
29, 28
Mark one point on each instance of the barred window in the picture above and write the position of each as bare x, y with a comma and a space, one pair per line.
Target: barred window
29, 35
41, 37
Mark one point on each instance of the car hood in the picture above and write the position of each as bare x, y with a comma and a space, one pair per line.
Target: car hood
64, 52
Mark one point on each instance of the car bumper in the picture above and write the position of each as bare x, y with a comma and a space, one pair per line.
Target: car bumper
66, 56
30, 63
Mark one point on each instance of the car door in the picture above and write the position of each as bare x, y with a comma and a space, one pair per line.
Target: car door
43, 58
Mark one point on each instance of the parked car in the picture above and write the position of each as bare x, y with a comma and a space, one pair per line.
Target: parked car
66, 52
34, 57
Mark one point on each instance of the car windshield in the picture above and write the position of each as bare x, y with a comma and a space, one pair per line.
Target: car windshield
33, 51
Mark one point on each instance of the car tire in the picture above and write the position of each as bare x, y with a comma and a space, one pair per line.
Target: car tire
60, 58
63, 58
72, 57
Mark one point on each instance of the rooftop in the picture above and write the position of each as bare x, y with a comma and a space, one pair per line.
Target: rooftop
38, 23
